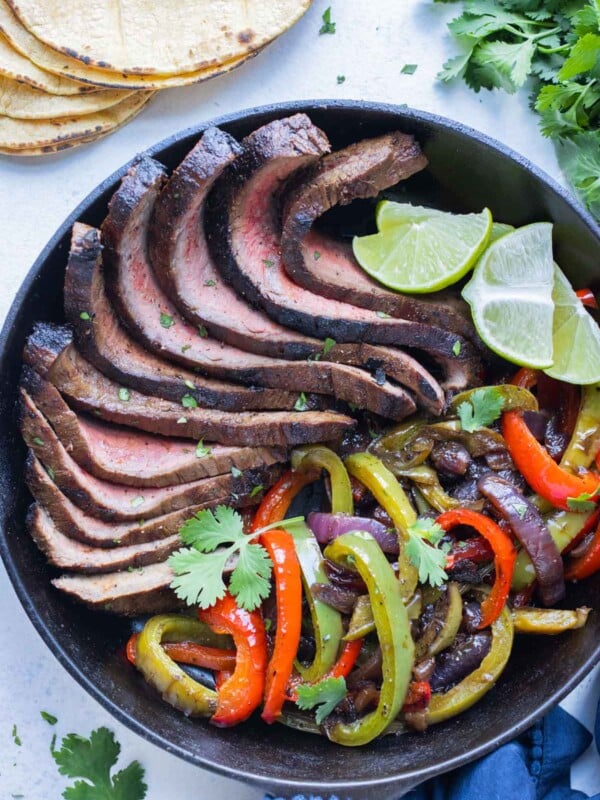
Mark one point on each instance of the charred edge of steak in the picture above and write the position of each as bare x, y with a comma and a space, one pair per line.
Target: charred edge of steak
144, 591
109, 348
65, 553
74, 523
294, 137
125, 456
187, 273
44, 343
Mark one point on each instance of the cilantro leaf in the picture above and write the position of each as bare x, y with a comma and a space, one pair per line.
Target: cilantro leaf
579, 158
325, 696
328, 344
166, 320
328, 26
584, 56
409, 69
422, 550
216, 539
201, 450
50, 718
92, 760
484, 407
301, 403
584, 502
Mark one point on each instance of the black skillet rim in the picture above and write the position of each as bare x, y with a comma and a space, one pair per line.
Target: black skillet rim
406, 779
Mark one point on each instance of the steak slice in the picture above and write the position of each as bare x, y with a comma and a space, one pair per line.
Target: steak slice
186, 272
106, 344
244, 238
89, 390
362, 170
72, 522
153, 319
69, 554
122, 455
144, 591
111, 501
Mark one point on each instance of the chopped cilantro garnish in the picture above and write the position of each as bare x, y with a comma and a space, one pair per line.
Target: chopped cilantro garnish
409, 69
341, 79
166, 320
328, 26
210, 282
189, 401
124, 394
424, 552
202, 332
50, 718
456, 348
325, 696
484, 407
301, 403
237, 473
85, 316
584, 502
256, 490
201, 450
328, 345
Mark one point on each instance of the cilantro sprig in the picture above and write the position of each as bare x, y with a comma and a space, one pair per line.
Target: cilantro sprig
586, 501
92, 760
483, 407
425, 552
216, 541
324, 696
557, 44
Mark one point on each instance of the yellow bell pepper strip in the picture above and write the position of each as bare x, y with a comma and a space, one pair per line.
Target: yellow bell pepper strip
361, 552
161, 672
315, 458
514, 397
504, 557
382, 484
429, 485
242, 692
565, 527
326, 621
587, 564
480, 681
585, 440
548, 621
538, 467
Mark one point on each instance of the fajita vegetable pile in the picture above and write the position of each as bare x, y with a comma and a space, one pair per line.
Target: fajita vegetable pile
329, 478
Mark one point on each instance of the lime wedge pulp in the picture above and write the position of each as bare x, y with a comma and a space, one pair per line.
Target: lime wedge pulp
576, 336
510, 295
422, 249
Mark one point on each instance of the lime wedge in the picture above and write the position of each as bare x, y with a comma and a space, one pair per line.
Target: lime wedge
576, 336
510, 295
422, 249
499, 229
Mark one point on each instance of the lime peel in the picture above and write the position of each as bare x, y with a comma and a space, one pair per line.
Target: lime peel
420, 249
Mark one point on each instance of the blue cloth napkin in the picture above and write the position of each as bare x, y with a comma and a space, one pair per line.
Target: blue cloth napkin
536, 766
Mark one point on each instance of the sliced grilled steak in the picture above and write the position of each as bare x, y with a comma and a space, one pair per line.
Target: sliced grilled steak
244, 238
69, 554
44, 343
110, 501
106, 344
72, 522
89, 390
144, 591
124, 456
154, 320
179, 254
360, 171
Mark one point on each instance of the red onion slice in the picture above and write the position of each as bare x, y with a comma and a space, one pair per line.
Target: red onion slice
327, 527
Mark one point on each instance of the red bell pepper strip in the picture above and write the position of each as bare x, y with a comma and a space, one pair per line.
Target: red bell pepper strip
587, 297
588, 563
417, 697
243, 691
526, 378
475, 549
504, 557
278, 499
538, 467
198, 655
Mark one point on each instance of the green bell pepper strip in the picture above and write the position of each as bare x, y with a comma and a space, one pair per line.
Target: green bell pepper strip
548, 621
161, 672
514, 397
430, 487
360, 551
382, 484
585, 440
477, 683
564, 527
362, 622
326, 621
452, 621
317, 457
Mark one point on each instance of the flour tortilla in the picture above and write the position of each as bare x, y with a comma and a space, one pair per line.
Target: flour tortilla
39, 134
54, 62
20, 101
146, 37
16, 66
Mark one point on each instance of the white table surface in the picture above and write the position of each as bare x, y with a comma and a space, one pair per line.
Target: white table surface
372, 43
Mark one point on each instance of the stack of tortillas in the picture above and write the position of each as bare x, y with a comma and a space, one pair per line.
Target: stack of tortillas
74, 70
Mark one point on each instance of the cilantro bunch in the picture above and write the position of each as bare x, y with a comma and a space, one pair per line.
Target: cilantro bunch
556, 43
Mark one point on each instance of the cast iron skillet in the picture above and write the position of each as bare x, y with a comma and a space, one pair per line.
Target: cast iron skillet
467, 171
